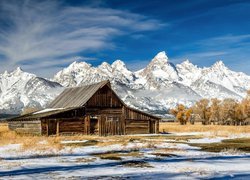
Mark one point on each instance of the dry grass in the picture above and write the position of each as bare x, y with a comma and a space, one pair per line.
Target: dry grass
198, 127
42, 143
28, 142
4, 127
241, 144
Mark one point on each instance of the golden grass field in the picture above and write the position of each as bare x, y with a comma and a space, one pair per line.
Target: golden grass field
32, 142
172, 127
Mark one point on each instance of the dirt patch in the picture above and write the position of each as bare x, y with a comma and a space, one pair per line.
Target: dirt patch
86, 143
85, 160
117, 155
110, 157
162, 154
136, 164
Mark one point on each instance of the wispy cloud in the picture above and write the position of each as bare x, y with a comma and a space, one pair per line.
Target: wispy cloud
46, 31
226, 40
232, 49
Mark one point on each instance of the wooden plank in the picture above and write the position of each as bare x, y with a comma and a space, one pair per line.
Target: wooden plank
57, 127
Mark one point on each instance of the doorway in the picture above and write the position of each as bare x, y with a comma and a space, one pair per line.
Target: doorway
93, 125
52, 127
152, 127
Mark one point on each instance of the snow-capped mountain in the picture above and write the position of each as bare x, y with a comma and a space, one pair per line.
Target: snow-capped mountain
159, 73
19, 89
161, 84
156, 88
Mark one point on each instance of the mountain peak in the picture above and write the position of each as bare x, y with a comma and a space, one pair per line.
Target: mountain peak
18, 70
186, 62
118, 64
5, 72
160, 59
161, 56
79, 65
104, 65
219, 64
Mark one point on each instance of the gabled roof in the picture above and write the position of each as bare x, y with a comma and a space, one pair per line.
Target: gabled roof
77, 96
41, 114
73, 98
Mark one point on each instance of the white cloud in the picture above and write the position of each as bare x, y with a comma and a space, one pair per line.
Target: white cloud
226, 40
45, 31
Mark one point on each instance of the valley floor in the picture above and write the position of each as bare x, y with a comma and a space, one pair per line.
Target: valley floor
172, 156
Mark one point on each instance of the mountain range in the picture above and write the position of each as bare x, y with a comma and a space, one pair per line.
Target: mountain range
156, 88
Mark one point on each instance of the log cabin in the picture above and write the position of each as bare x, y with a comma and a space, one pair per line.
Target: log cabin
92, 110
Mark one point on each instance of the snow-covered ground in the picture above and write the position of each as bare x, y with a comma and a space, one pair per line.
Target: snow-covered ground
156, 158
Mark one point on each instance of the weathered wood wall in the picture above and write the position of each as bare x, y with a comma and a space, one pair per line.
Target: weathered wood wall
71, 126
139, 123
104, 114
110, 120
104, 98
111, 125
26, 127
137, 126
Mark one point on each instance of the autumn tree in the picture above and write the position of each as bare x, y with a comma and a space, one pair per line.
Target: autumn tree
214, 110
188, 113
227, 111
179, 113
239, 113
246, 106
202, 109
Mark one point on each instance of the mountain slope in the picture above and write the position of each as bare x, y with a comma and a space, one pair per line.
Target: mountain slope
19, 89
156, 88
160, 85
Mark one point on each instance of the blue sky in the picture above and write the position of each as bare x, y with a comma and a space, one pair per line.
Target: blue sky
44, 36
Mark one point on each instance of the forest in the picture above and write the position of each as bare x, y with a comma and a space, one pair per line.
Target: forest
215, 111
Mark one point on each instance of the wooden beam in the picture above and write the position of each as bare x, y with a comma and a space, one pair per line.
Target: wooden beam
47, 127
57, 127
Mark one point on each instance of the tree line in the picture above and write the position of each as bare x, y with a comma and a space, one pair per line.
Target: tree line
215, 111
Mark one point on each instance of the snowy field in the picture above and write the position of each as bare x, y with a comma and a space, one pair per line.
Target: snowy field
171, 156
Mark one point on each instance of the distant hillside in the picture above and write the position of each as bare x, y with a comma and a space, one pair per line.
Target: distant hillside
6, 116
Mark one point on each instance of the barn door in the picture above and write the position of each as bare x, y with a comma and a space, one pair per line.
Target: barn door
152, 126
52, 127
93, 125
113, 125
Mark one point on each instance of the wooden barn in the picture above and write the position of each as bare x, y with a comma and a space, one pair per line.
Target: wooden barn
94, 109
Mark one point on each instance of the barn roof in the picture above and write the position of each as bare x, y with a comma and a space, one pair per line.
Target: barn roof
77, 96
73, 98
41, 114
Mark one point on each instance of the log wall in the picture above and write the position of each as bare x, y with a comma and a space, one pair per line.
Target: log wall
139, 123
137, 126
26, 127
71, 126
